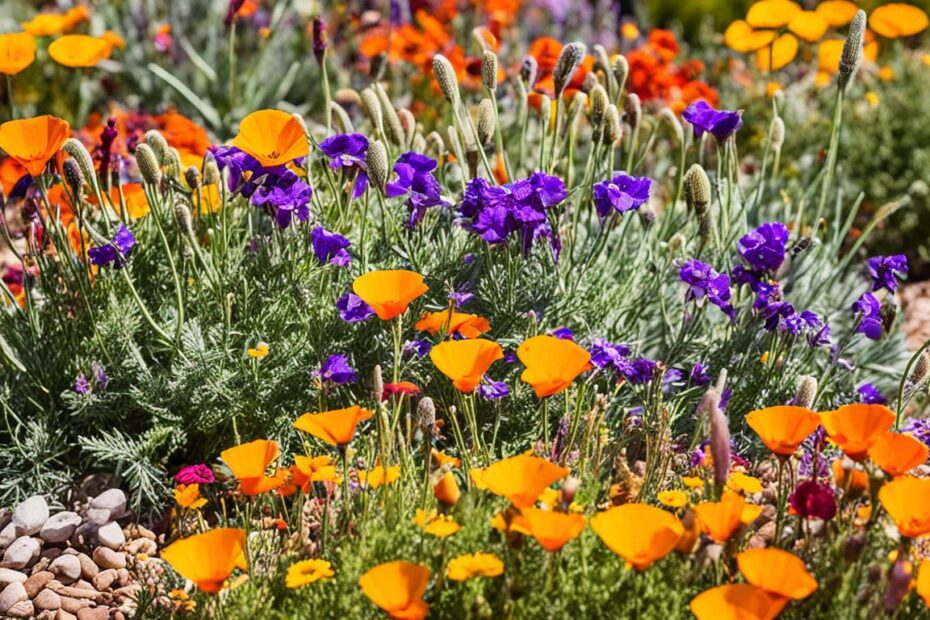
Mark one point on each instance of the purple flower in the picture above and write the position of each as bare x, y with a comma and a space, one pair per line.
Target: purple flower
195, 474
330, 247
640, 371
812, 499
764, 247
417, 347
563, 333
493, 390
671, 378
605, 353
115, 252
870, 395
100, 375
460, 298
353, 308
868, 311
705, 283
621, 194
82, 385
336, 369
920, 429
813, 465
885, 271
416, 182
721, 123
699, 375
348, 150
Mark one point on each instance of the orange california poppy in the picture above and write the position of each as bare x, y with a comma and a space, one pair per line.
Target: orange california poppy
854, 428
783, 428
777, 572
17, 51
740, 37
720, 520
923, 582
907, 500
451, 322
521, 478
551, 363
397, 588
772, 13
32, 142
737, 601
389, 292
447, 490
208, 559
778, 55
249, 461
897, 20
465, 361
859, 480
639, 533
808, 25
551, 529
113, 40
336, 427
272, 137
692, 532
46, 24
316, 468
897, 453
137, 205
837, 12
78, 50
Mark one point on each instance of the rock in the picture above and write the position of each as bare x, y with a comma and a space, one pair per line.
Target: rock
107, 558
59, 527
66, 568
113, 500
41, 565
94, 613
111, 535
72, 592
30, 515
8, 575
22, 609
21, 553
105, 579
134, 530
48, 600
13, 593
36, 582
122, 576
89, 569
767, 532
6, 516
84, 585
141, 545
97, 516
74, 605
85, 535
51, 553
64, 615
7, 535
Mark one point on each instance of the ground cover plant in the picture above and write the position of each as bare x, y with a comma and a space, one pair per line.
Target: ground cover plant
421, 311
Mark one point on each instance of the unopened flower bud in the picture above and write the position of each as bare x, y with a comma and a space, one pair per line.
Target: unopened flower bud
566, 65
899, 582
671, 119
444, 73
395, 130
697, 189
435, 145
601, 61
489, 70
806, 392
408, 123
778, 133
485, 124
320, 39
921, 370
192, 177
211, 172
158, 143
851, 57
372, 106
599, 102
528, 71
719, 434
613, 128
172, 162
148, 164
377, 161
426, 413
569, 488
634, 110
341, 118
378, 384
183, 213
621, 70
676, 243
447, 490
73, 176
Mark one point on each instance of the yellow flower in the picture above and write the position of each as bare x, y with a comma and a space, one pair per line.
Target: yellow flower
692, 482
630, 31
765, 358
260, 351
549, 498
673, 499
188, 496
886, 74
872, 98
307, 571
471, 565
379, 475
436, 524
738, 481
772, 88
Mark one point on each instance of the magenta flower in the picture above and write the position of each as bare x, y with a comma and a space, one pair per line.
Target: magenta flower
194, 474
813, 499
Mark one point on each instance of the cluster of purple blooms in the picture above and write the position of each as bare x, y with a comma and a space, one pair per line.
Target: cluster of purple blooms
415, 182
621, 194
336, 369
870, 395
516, 209
885, 272
607, 355
347, 151
116, 251
82, 384
353, 308
704, 283
330, 247
275, 188
720, 123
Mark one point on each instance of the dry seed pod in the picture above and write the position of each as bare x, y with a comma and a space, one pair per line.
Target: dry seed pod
566, 65
183, 213
599, 103
806, 392
85, 162
778, 133
389, 118
528, 71
445, 76
674, 124
426, 414
697, 188
485, 124
211, 172
158, 143
377, 161
489, 70
192, 177
851, 57
921, 370
372, 106
148, 164
613, 128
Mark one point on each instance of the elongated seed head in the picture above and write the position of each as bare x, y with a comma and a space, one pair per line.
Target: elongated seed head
528, 71
566, 65
372, 106
426, 413
634, 110
445, 76
671, 119
489, 70
613, 128
192, 177
621, 68
599, 103
158, 143
341, 118
697, 188
851, 57
409, 124
485, 124
806, 392
148, 164
435, 145
377, 383
778, 133
377, 162
81, 156
73, 176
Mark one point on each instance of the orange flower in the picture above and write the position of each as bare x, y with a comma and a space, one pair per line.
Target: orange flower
435, 524
32, 142
897, 454
781, 52
551, 529
451, 322
248, 463
521, 478
859, 481
272, 137
46, 24
720, 520
17, 51
389, 292
907, 500
113, 40
897, 20
316, 468
808, 25
465, 361
854, 428
397, 588
336, 427
208, 559
783, 428
137, 205
78, 50
777, 572
837, 12
639, 533
469, 566
551, 363
379, 475
772, 13
447, 489
736, 601
740, 37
